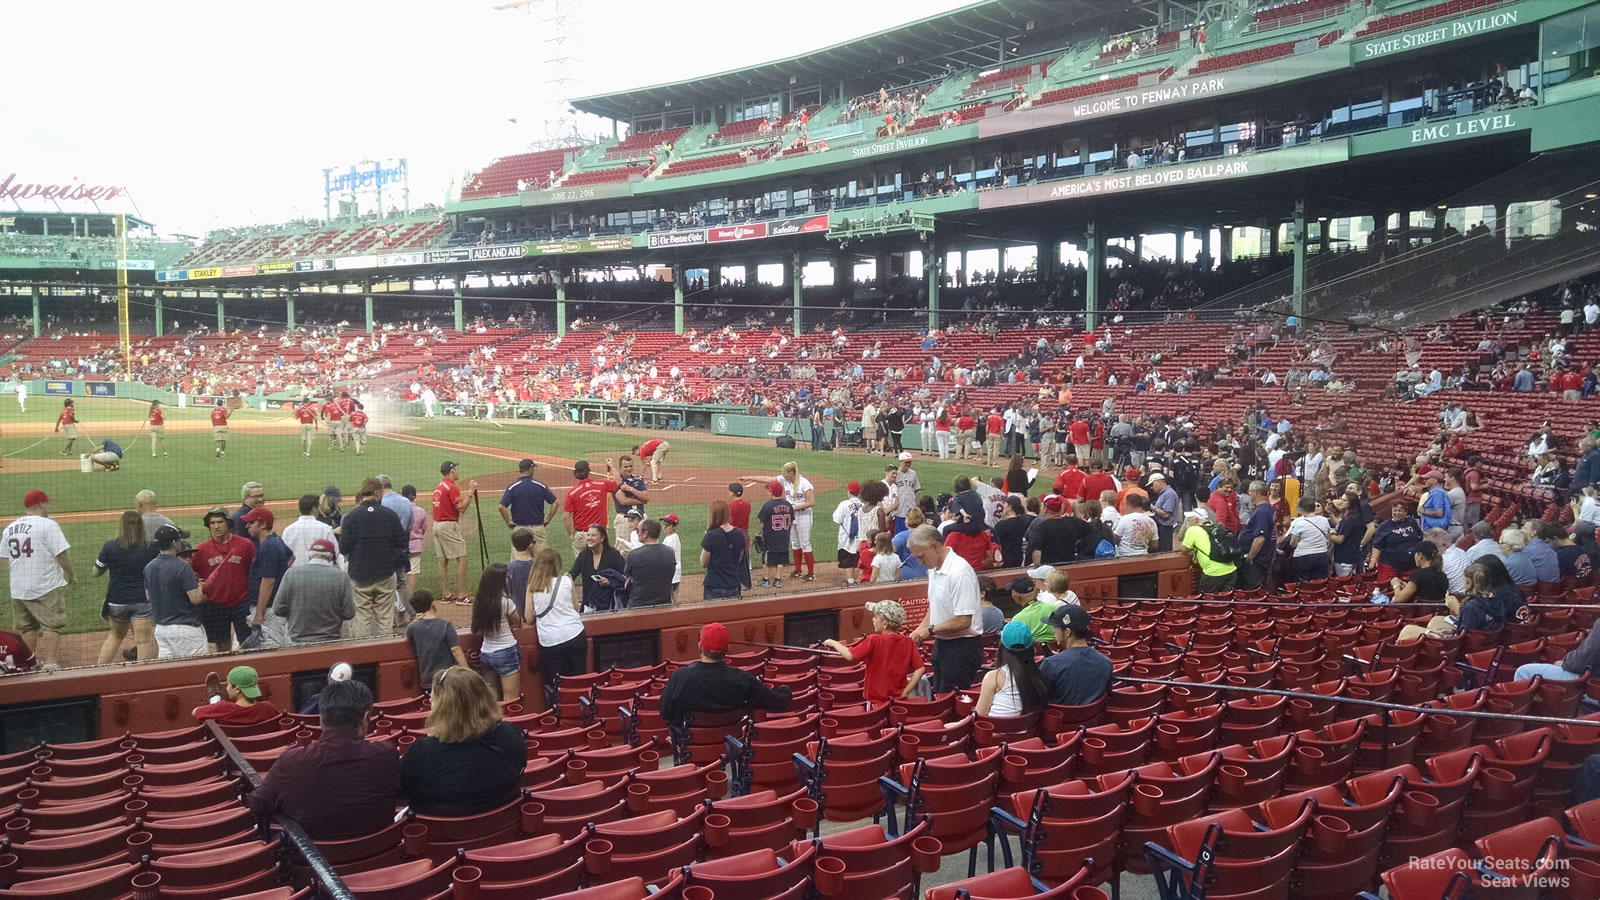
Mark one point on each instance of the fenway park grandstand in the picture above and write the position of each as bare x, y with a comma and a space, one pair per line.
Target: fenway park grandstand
1192, 405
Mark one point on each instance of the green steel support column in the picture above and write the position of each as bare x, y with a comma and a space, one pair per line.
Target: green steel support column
161, 309
290, 311
931, 270
1299, 301
222, 319
677, 299
561, 303
33, 292
797, 278
1091, 289
459, 317
367, 296
1177, 240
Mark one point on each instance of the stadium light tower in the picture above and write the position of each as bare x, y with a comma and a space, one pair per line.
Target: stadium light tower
560, 17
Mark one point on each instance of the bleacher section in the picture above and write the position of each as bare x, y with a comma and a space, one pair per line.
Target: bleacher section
1094, 88
1006, 77
606, 176
534, 169
640, 144
272, 243
1254, 55
1297, 13
1411, 18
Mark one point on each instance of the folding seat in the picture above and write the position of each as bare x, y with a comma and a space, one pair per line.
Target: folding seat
1341, 853
680, 788
906, 712
609, 763
931, 737
1009, 884
1184, 732
111, 882
760, 820
762, 874
702, 738
47, 856
443, 835
220, 871
1252, 773
1526, 842
533, 867
417, 879
71, 768
184, 774
958, 796
1391, 740
1573, 744
1446, 733
763, 757
1110, 748
1183, 787
1560, 699
1032, 762
54, 790
1450, 873
636, 889
566, 810
878, 865
182, 834
991, 731
1121, 705
557, 742
1061, 826
381, 848
153, 740
1231, 855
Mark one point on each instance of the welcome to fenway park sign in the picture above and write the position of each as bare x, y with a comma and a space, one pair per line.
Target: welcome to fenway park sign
12, 189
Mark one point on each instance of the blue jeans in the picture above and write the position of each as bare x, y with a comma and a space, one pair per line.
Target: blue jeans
1550, 671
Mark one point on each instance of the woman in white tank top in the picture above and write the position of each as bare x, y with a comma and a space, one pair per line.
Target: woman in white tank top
1014, 687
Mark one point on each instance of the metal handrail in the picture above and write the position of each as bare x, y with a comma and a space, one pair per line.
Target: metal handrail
328, 880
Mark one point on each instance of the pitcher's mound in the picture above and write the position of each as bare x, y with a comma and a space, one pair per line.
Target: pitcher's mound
23, 465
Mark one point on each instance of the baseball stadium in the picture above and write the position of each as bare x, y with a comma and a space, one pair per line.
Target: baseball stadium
1049, 448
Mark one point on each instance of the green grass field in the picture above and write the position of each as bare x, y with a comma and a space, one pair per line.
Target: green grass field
192, 476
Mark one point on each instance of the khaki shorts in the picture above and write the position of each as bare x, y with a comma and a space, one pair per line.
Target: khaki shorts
70, 431
447, 538
306, 431
359, 434
540, 539
219, 429
416, 564
580, 542
869, 434
159, 431
46, 612
342, 426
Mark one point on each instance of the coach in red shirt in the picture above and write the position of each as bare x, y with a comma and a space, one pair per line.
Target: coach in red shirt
1098, 481
585, 505
994, 428
1069, 483
222, 565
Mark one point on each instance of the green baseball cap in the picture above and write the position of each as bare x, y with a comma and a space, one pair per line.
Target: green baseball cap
244, 678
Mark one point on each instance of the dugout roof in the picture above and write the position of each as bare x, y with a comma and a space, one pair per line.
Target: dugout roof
968, 37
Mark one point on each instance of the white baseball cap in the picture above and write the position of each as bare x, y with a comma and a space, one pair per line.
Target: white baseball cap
1040, 573
905, 456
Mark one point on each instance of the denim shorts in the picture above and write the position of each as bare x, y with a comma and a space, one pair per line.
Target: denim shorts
503, 662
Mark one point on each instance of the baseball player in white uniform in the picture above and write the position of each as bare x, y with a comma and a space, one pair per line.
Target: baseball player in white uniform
802, 496
35, 554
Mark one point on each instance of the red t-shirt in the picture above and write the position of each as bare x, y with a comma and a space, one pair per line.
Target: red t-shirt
332, 411
739, 514
966, 423
648, 448
230, 563
995, 424
306, 414
587, 502
344, 405
1078, 431
227, 712
1098, 483
219, 415
1098, 433
890, 659
69, 416
14, 654
971, 548
1069, 484
447, 502
157, 417
358, 419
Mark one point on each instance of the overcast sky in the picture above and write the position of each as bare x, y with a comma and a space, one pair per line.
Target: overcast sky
220, 114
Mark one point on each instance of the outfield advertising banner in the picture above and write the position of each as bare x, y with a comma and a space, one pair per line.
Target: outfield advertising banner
392, 260
313, 265
749, 231
665, 239
101, 388
578, 245
58, 387
474, 254
275, 268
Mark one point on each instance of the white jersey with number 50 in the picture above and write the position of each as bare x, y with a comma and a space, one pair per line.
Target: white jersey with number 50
31, 545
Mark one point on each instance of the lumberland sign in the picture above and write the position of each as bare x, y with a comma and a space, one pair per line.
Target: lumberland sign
1426, 37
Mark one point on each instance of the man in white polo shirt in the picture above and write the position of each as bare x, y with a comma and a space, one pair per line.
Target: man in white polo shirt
35, 553
955, 614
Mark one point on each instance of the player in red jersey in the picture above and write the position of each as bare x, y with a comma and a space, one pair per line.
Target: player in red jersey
653, 451
158, 428
305, 412
358, 428
335, 416
346, 405
67, 423
219, 427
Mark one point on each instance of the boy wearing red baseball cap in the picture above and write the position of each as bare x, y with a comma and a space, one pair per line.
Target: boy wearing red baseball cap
712, 686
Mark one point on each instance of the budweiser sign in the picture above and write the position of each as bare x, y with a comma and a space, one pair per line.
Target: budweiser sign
11, 189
